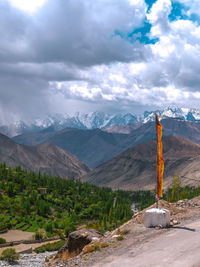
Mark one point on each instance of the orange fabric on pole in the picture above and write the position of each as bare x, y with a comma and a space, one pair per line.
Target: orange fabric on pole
160, 161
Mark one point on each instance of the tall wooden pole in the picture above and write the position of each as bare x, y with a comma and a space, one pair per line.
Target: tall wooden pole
157, 198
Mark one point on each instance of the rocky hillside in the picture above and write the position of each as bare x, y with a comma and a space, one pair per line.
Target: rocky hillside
96, 146
44, 158
135, 168
93, 147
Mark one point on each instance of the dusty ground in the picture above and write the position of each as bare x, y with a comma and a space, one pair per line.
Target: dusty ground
176, 248
16, 235
173, 245
23, 247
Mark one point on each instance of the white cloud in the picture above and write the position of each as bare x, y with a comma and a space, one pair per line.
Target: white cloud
28, 6
69, 54
192, 5
158, 17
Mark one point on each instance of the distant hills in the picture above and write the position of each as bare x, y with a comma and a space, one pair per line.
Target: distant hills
44, 158
93, 147
126, 161
96, 146
94, 120
135, 168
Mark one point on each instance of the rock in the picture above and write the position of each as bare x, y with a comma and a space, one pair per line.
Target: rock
107, 233
27, 251
76, 242
175, 222
157, 218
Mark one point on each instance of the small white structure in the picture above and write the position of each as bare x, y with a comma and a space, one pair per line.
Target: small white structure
157, 217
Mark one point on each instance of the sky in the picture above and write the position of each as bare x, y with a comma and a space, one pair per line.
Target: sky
114, 56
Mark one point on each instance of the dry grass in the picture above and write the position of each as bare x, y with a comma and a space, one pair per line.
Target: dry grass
94, 246
120, 238
123, 232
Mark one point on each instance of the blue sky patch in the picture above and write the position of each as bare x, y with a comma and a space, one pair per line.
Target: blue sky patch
140, 34
150, 3
178, 11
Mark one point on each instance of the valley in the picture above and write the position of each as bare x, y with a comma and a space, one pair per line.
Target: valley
56, 181
95, 147
30, 201
99, 121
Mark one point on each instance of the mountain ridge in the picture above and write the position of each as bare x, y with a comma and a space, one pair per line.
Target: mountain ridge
45, 157
135, 168
94, 120
96, 146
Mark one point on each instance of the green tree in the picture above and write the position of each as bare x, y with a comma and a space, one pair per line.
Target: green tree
9, 255
176, 181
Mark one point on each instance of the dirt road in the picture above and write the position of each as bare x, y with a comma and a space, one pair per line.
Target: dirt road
178, 247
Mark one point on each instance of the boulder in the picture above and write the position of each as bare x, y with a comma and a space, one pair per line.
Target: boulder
76, 242
157, 218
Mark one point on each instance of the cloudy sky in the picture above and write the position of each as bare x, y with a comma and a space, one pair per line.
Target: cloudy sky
63, 56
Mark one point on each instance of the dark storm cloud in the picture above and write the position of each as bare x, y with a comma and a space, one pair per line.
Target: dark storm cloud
14, 25
83, 32
45, 71
77, 32
52, 45
57, 43
70, 53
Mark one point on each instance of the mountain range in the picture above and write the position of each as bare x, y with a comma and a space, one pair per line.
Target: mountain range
46, 157
96, 146
122, 156
93, 147
135, 168
94, 120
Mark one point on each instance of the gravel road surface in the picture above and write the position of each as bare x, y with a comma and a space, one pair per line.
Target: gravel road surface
178, 247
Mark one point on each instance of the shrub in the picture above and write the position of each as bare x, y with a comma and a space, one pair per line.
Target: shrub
123, 232
50, 246
70, 227
39, 235
120, 238
60, 233
176, 181
104, 245
9, 255
2, 241
3, 226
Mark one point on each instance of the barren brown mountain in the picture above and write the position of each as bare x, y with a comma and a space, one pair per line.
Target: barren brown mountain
135, 168
95, 147
122, 129
46, 157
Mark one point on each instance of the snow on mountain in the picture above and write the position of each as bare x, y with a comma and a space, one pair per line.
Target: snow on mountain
180, 113
95, 120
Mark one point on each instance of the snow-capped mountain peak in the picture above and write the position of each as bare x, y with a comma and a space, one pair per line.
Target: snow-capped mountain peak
96, 119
